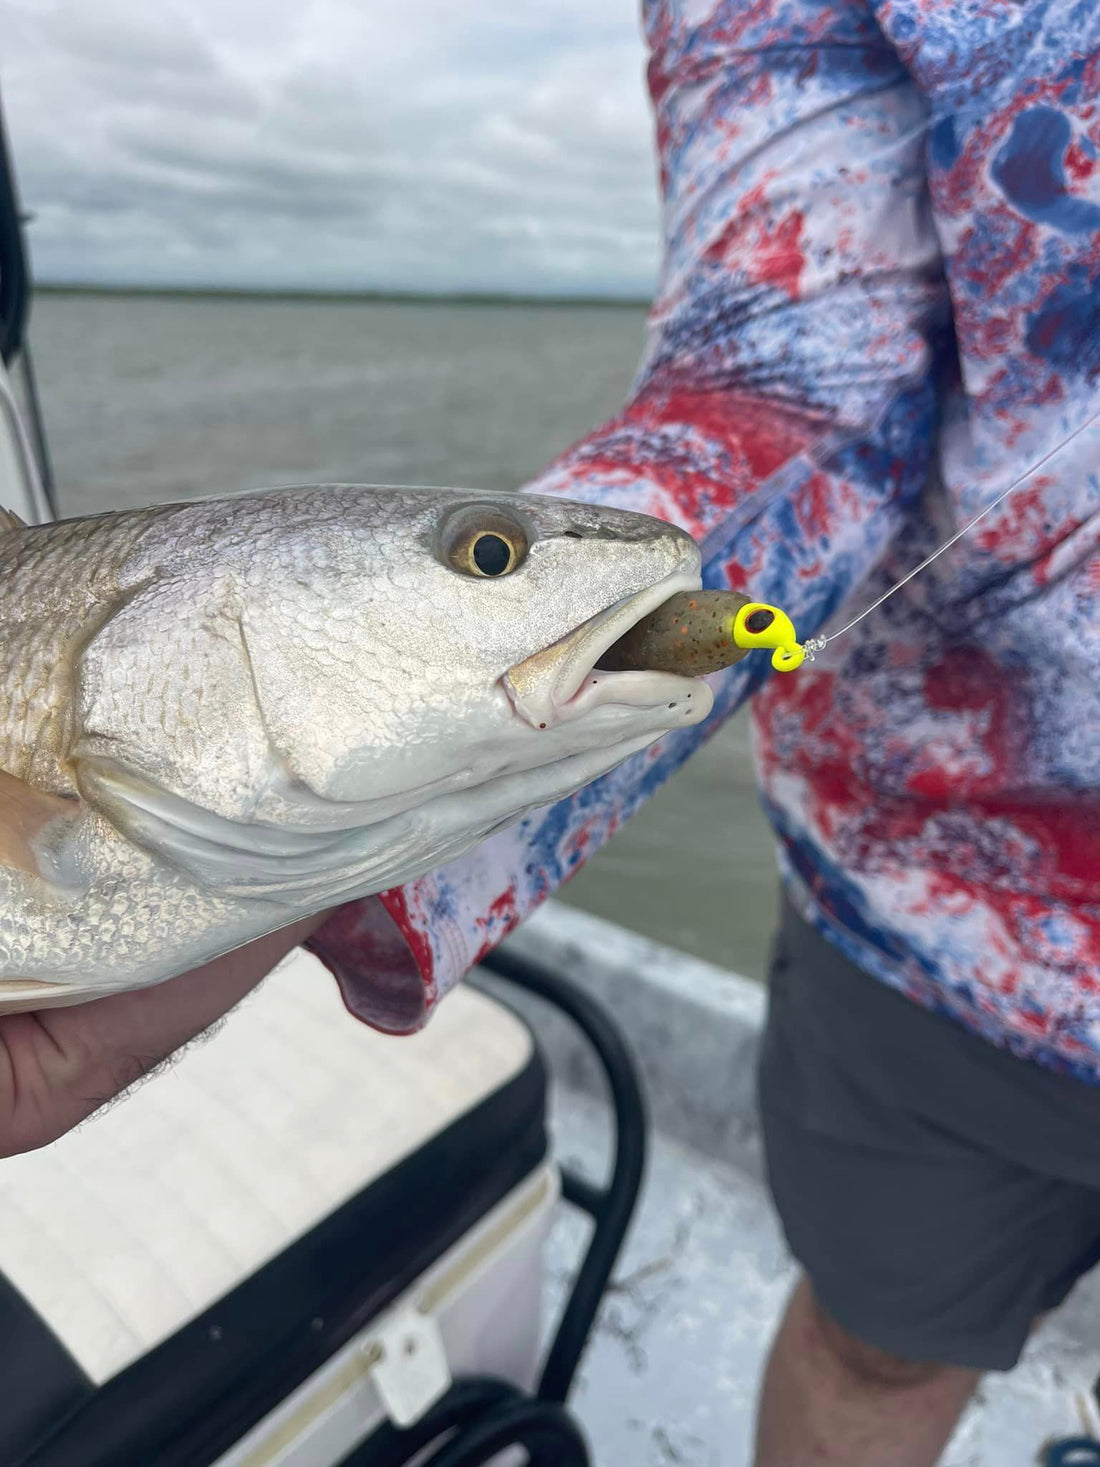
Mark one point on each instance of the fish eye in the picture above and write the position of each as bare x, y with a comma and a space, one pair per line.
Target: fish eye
492, 555
484, 542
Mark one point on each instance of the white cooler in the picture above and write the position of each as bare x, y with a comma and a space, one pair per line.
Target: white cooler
300, 1231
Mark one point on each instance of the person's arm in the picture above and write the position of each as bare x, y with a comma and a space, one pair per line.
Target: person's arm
784, 412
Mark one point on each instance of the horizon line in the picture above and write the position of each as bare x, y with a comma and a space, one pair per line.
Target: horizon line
421, 297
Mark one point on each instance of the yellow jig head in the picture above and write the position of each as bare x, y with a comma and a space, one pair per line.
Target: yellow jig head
697, 632
761, 625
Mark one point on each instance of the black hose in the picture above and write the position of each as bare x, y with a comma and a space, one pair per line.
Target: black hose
480, 1417
467, 1401
547, 1431
612, 1207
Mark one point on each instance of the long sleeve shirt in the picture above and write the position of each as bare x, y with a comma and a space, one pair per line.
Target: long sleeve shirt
879, 303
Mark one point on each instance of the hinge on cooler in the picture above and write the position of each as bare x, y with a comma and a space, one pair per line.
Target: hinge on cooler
409, 1364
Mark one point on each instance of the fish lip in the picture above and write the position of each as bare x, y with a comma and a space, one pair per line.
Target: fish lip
549, 687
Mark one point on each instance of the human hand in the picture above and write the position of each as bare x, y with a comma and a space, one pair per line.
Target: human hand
58, 1066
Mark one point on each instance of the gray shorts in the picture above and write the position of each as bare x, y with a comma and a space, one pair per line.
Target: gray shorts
939, 1193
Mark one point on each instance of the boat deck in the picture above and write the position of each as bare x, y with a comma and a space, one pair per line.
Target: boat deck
671, 1375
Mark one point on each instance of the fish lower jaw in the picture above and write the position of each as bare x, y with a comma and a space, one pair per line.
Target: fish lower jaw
689, 699
610, 707
563, 683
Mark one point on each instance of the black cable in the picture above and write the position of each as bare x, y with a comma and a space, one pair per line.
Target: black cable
613, 1207
579, 1192
547, 1431
467, 1401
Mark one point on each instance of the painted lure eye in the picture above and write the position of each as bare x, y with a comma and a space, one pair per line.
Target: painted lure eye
760, 620
485, 542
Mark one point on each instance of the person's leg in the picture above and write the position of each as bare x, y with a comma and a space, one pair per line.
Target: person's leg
939, 1195
828, 1398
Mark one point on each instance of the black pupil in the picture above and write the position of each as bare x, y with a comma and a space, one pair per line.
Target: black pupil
492, 555
759, 621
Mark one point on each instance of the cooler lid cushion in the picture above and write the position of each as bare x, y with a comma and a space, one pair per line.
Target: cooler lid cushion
295, 1166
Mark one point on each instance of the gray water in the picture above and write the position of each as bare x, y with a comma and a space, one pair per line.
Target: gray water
155, 398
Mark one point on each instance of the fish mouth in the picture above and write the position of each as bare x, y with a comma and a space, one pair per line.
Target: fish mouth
563, 682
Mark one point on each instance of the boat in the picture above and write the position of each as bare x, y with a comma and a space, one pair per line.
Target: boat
305, 1245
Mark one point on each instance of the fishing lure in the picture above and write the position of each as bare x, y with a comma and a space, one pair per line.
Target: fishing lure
695, 632
704, 631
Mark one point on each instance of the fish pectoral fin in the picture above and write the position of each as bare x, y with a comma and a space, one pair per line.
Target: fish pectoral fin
33, 826
9, 520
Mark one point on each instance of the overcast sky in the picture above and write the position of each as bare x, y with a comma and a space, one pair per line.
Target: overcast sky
394, 144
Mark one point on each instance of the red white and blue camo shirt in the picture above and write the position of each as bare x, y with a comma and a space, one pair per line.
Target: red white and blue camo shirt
879, 303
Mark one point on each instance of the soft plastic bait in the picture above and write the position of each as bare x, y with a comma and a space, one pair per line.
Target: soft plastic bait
695, 632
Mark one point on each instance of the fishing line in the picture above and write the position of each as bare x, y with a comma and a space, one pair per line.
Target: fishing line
813, 645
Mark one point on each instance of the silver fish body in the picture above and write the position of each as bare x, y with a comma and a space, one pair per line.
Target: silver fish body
217, 717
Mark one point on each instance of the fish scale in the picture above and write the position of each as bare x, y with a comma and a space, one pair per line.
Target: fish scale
55, 582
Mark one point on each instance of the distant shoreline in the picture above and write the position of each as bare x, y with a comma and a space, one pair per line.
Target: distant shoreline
345, 297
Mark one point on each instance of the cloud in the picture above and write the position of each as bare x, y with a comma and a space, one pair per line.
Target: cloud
335, 144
